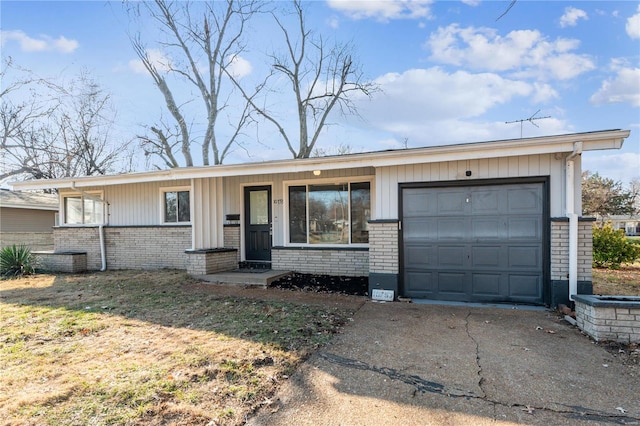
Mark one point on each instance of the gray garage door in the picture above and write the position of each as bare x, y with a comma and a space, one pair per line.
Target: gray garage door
474, 244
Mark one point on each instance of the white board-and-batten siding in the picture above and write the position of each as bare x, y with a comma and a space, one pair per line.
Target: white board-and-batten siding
388, 178
133, 204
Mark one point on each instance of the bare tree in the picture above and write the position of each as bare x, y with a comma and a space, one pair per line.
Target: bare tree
203, 40
320, 78
52, 130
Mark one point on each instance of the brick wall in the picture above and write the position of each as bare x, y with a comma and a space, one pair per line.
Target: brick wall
34, 240
620, 324
136, 247
60, 262
202, 262
383, 247
560, 250
354, 263
232, 239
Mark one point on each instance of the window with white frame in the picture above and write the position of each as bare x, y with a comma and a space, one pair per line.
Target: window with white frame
176, 205
331, 213
83, 209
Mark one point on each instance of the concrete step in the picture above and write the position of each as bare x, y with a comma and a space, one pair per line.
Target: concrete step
239, 276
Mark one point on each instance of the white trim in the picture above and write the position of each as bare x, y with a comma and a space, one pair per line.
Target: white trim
75, 194
608, 139
165, 189
333, 181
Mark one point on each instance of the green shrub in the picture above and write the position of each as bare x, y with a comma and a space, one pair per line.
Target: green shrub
611, 248
16, 261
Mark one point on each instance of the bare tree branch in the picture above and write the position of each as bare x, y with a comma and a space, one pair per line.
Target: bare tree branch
319, 78
207, 31
56, 131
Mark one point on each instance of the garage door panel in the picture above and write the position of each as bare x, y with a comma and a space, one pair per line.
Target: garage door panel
487, 257
485, 202
451, 202
420, 256
421, 282
486, 284
523, 228
525, 257
417, 229
524, 200
451, 256
452, 283
525, 286
486, 229
475, 243
419, 202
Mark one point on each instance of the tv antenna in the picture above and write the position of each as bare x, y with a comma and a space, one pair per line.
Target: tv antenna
530, 120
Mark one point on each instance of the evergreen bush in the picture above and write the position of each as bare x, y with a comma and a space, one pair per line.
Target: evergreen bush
611, 247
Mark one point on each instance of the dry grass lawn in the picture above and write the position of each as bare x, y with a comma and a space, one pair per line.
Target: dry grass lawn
623, 281
146, 348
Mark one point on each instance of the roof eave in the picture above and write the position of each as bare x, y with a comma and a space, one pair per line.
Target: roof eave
609, 139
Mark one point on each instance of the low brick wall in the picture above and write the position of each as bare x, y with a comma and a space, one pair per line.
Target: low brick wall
614, 318
34, 240
352, 262
232, 238
69, 262
210, 261
128, 247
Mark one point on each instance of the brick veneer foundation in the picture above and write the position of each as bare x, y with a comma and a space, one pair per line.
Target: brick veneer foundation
128, 247
352, 262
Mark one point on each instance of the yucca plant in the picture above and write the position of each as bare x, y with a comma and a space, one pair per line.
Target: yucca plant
16, 261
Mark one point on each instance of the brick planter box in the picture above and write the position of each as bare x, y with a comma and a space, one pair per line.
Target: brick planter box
614, 318
210, 261
64, 261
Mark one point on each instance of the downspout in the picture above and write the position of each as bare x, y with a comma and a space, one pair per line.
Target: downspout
573, 219
103, 248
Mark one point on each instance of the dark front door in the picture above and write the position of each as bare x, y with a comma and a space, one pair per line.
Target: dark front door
257, 223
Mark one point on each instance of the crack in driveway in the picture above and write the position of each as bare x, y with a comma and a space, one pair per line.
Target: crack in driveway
422, 385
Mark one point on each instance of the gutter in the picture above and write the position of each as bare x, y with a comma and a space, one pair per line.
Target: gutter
573, 219
103, 247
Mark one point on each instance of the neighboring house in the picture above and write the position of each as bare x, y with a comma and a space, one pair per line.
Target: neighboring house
494, 221
27, 218
630, 224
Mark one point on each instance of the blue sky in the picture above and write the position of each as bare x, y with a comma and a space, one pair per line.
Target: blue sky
449, 71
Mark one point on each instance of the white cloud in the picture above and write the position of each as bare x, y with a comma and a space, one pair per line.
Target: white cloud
333, 22
525, 52
421, 103
239, 67
44, 43
383, 10
624, 87
471, 2
157, 59
543, 93
621, 166
571, 17
633, 25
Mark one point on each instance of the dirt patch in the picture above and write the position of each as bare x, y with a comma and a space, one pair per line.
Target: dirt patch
623, 281
626, 354
355, 286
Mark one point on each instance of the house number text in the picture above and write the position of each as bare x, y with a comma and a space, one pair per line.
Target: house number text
278, 201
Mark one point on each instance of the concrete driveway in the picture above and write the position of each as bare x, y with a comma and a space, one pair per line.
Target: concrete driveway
410, 364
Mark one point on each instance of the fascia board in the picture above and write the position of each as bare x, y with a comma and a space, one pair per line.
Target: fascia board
612, 139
